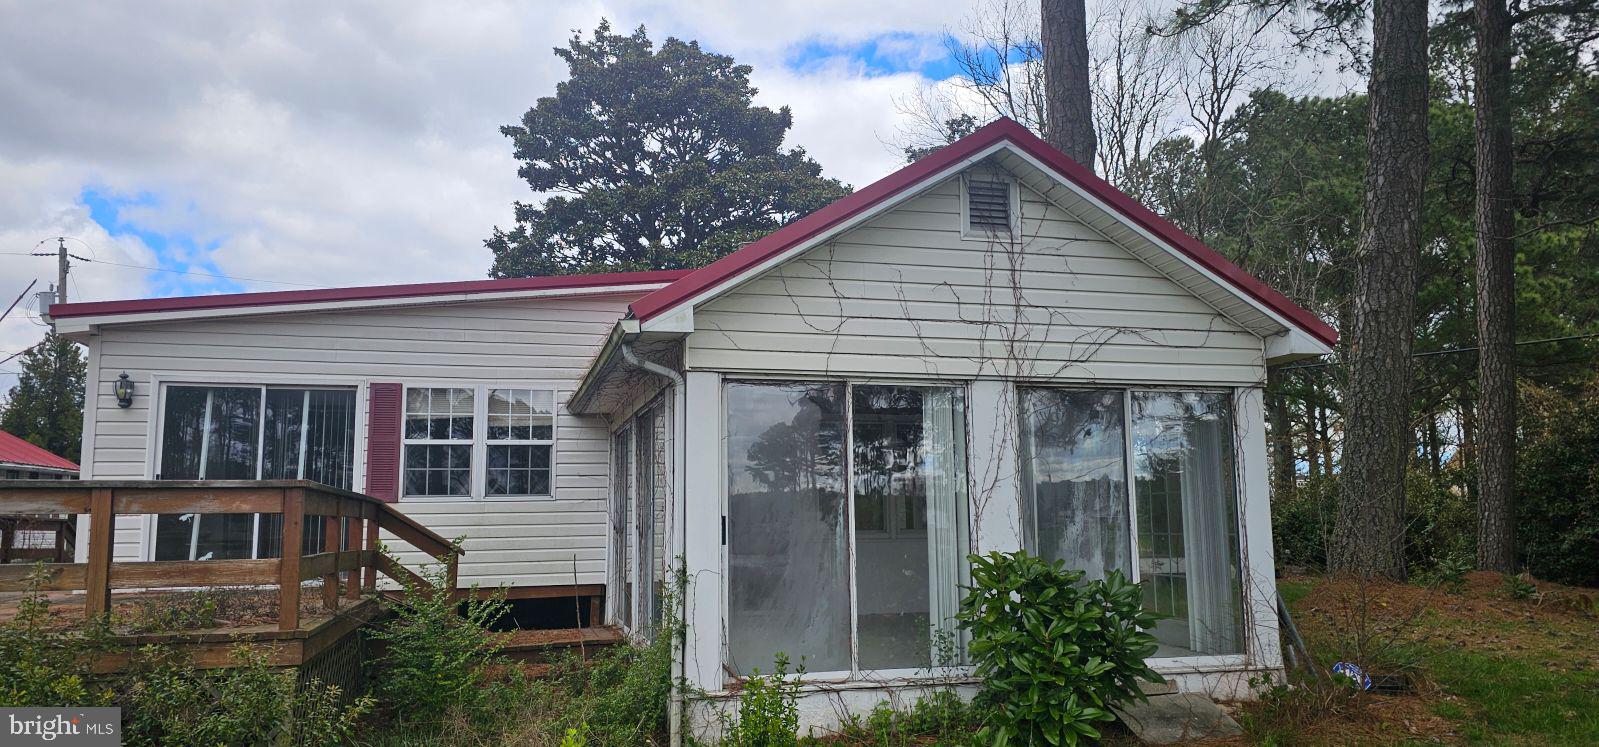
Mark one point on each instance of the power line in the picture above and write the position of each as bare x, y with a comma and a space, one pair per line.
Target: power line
1448, 351
166, 269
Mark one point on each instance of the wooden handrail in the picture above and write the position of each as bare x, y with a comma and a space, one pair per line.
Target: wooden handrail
354, 517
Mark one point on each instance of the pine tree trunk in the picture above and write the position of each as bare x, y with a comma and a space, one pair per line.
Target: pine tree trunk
1068, 109
1368, 537
1496, 294
1282, 436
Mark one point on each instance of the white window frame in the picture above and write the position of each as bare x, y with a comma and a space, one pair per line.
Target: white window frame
479, 442
966, 231
1166, 664
161, 385
855, 673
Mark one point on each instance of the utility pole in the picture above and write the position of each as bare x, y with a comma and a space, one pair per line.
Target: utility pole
61, 269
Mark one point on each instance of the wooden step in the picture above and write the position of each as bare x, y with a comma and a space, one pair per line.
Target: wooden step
538, 645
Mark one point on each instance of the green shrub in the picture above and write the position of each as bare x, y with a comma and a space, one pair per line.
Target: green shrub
166, 701
436, 649
768, 710
1557, 485
1302, 520
1054, 652
46, 663
1440, 520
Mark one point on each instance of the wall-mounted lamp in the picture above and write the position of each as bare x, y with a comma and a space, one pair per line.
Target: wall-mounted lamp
124, 390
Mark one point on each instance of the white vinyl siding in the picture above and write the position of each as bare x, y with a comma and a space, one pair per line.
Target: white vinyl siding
534, 343
906, 295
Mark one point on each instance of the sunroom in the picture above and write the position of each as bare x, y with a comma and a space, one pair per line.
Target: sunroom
990, 350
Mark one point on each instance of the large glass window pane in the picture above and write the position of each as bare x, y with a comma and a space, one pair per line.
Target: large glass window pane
1188, 554
234, 434
210, 433
788, 582
217, 433
621, 498
224, 536
280, 446
174, 536
1073, 469
647, 441
183, 428
329, 456
910, 503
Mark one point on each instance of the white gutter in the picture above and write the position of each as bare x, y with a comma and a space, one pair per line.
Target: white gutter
680, 427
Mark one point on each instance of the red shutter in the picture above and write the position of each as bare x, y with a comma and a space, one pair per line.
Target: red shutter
383, 441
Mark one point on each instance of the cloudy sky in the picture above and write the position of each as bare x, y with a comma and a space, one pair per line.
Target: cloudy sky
303, 144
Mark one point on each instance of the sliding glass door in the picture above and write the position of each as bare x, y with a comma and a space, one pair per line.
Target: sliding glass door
249, 433
1100, 495
846, 524
1188, 554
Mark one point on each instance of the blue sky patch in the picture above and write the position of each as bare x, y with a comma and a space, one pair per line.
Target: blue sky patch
176, 251
885, 54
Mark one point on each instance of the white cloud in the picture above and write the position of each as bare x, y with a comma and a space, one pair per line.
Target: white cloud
348, 144
358, 143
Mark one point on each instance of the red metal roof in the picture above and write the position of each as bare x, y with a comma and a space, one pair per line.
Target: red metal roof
816, 223
364, 293
14, 450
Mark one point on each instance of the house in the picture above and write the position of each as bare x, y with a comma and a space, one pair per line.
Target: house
21, 460
989, 349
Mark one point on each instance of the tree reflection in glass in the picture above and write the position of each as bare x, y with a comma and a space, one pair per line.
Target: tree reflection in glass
787, 547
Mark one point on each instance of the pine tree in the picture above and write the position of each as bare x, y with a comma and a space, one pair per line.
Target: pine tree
654, 159
45, 408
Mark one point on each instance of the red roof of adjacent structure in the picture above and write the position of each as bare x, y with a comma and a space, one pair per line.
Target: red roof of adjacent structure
894, 184
14, 450
363, 293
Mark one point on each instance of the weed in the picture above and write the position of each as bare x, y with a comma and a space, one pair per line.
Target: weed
768, 710
1449, 573
166, 701
45, 664
1519, 587
941, 718
436, 650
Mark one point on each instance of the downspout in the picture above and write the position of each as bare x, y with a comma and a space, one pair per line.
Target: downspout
674, 711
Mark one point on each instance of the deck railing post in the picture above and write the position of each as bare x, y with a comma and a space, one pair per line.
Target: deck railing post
352, 543
330, 543
289, 563
97, 577
370, 582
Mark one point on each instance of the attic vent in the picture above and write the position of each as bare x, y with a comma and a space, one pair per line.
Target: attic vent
988, 207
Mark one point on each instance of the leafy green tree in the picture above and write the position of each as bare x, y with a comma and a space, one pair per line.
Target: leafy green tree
652, 159
46, 405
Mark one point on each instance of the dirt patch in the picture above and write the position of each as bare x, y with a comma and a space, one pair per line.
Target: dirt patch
1398, 628
1556, 624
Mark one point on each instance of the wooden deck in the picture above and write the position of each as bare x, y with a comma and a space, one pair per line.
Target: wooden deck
294, 627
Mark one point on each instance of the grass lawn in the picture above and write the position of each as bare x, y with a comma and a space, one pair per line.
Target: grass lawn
1486, 667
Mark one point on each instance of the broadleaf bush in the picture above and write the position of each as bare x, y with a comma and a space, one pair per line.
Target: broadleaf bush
437, 651
1055, 652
